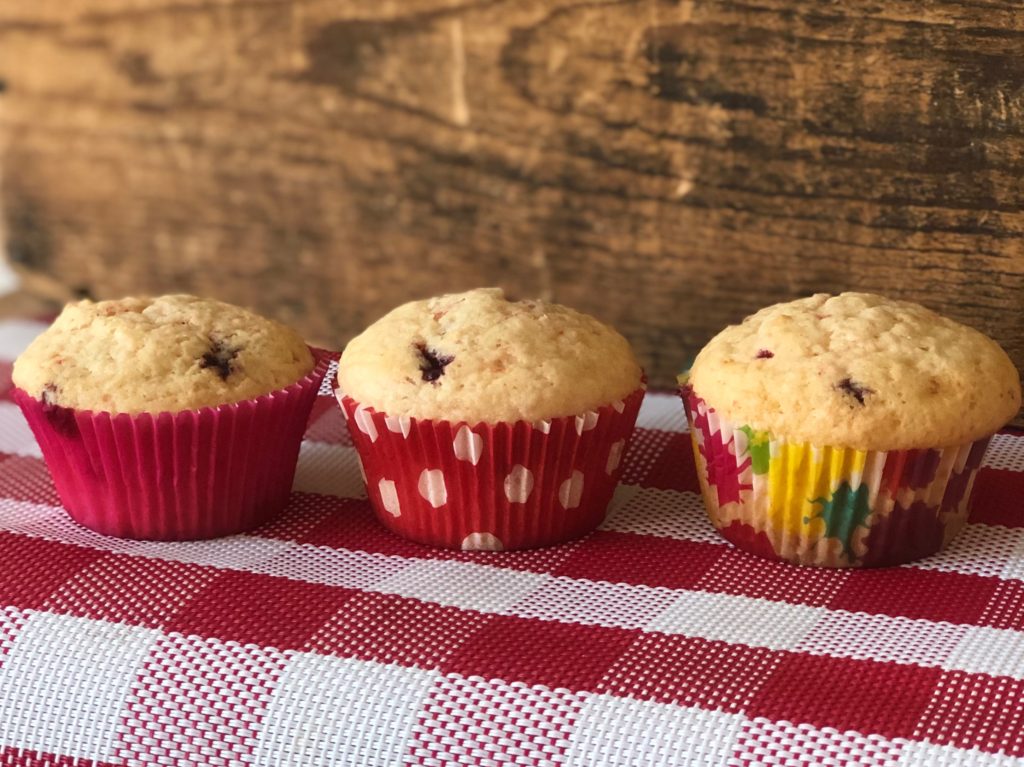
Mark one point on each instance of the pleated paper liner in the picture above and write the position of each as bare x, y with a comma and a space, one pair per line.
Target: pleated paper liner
176, 476
829, 506
492, 486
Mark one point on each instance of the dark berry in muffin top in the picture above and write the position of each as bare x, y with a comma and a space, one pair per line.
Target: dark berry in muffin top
219, 359
854, 389
432, 363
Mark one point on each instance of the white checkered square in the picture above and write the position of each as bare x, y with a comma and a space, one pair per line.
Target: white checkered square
333, 567
238, 552
665, 513
1014, 567
663, 412
764, 743
463, 584
15, 435
882, 638
53, 524
918, 754
982, 650
197, 702
475, 721
37, 519
738, 619
329, 470
1006, 452
622, 732
12, 621
595, 602
985, 550
64, 682
328, 712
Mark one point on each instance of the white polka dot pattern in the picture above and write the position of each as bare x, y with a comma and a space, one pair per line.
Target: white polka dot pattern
364, 421
586, 422
514, 481
400, 424
518, 484
468, 445
481, 542
570, 492
432, 487
389, 497
614, 456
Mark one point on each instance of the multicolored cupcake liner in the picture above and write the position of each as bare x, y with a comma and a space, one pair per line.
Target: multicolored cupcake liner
824, 505
176, 476
492, 487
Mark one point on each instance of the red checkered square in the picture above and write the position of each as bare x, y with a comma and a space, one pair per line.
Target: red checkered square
996, 498
262, 609
20, 757
882, 698
674, 468
23, 478
474, 721
42, 567
393, 629
916, 593
659, 459
641, 559
541, 652
326, 423
690, 672
136, 590
736, 572
645, 448
976, 711
1006, 608
198, 701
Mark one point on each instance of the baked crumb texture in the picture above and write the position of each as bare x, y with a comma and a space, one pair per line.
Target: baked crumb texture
170, 353
477, 357
858, 370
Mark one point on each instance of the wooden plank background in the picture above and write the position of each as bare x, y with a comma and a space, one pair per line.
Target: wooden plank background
668, 166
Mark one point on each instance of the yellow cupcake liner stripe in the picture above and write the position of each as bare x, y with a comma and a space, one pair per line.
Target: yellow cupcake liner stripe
826, 505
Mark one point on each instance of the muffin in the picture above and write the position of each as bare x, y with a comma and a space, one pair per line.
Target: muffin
845, 431
483, 423
168, 418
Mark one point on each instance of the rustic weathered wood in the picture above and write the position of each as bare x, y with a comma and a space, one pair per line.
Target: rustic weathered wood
669, 166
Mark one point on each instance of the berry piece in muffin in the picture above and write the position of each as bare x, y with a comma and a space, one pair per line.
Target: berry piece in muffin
432, 363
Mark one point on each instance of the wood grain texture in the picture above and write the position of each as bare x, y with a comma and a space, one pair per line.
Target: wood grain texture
668, 166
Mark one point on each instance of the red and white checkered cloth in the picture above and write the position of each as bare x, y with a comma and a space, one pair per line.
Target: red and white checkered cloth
324, 640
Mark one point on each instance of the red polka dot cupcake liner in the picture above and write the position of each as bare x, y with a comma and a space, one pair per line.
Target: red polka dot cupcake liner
492, 487
176, 476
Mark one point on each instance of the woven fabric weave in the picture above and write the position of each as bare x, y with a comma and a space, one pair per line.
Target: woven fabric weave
322, 639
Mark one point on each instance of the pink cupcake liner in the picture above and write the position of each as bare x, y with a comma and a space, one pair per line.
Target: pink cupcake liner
176, 476
824, 505
492, 486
